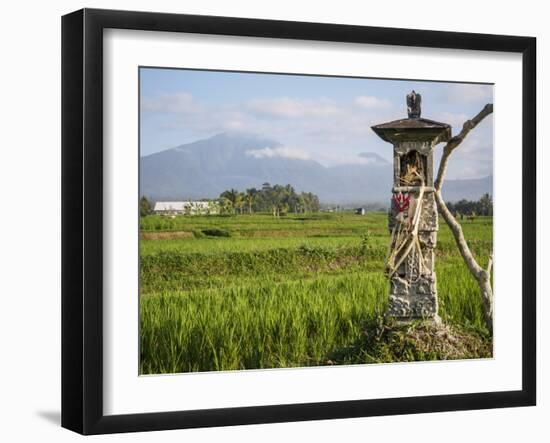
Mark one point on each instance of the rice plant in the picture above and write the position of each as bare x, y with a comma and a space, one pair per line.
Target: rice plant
288, 292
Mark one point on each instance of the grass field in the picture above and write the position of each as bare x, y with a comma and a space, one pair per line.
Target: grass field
253, 291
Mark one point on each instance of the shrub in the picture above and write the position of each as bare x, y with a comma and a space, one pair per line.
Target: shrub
216, 232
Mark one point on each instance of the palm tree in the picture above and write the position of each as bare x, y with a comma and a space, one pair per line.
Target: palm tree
486, 204
231, 195
239, 201
145, 207
225, 205
250, 197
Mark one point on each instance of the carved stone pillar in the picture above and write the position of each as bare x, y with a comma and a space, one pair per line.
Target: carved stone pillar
413, 219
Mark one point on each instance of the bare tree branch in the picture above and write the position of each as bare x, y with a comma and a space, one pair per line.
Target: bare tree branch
453, 143
482, 276
490, 264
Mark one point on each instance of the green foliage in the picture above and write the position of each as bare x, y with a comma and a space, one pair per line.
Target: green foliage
299, 290
386, 341
277, 200
266, 325
366, 243
216, 232
226, 206
145, 207
483, 206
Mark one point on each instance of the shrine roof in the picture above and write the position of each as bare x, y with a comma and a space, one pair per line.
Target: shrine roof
412, 123
414, 127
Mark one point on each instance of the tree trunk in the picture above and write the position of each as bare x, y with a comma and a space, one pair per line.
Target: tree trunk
482, 276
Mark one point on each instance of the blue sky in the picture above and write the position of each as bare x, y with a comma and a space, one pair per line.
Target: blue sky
326, 119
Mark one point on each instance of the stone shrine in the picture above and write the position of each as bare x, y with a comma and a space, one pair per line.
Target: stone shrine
413, 220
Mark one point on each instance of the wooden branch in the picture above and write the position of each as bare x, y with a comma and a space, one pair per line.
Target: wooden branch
453, 143
490, 264
482, 276
456, 230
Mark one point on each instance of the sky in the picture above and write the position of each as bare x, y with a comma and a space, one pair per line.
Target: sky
326, 119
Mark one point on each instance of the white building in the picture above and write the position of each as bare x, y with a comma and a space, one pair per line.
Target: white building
186, 208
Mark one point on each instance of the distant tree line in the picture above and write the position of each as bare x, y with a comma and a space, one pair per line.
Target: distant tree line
483, 206
277, 200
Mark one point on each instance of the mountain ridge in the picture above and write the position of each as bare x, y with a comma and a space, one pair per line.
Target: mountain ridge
207, 167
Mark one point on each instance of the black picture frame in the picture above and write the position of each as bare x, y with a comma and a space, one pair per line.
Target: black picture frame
82, 218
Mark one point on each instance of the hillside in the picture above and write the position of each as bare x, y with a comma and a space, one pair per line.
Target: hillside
205, 168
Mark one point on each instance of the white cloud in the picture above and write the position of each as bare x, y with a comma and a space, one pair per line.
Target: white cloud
282, 151
230, 120
468, 93
328, 131
474, 157
293, 108
181, 102
456, 120
370, 102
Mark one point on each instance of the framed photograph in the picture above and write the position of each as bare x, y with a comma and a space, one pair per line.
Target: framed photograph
268, 221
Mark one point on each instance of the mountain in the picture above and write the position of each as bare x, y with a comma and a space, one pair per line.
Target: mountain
368, 182
471, 189
372, 158
205, 168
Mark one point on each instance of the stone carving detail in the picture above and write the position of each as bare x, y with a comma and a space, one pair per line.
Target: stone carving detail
399, 286
428, 256
425, 306
424, 286
428, 239
414, 101
428, 217
399, 307
405, 147
413, 265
